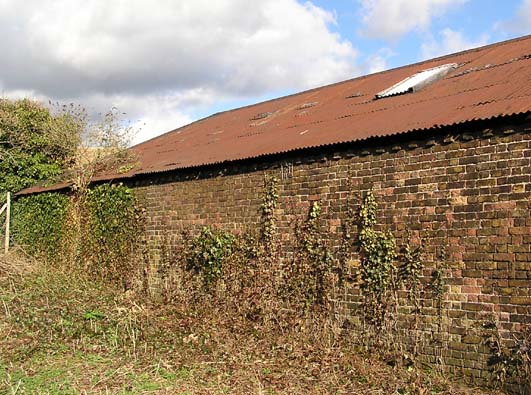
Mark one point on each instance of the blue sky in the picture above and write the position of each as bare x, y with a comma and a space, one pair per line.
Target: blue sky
168, 63
461, 26
477, 21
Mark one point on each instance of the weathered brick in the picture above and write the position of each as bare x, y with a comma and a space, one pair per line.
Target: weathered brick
469, 201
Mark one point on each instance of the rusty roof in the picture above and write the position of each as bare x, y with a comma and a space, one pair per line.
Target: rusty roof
489, 82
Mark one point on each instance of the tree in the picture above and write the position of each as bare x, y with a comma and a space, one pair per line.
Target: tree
41, 145
103, 148
36, 143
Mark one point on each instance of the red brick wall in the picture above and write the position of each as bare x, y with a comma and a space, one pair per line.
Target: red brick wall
466, 194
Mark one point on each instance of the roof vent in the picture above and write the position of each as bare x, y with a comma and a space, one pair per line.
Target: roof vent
418, 81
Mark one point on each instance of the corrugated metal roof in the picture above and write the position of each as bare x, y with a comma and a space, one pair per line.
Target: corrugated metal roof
489, 82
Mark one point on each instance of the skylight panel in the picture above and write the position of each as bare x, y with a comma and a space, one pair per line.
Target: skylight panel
418, 80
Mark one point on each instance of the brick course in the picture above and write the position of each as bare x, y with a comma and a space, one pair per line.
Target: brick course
465, 193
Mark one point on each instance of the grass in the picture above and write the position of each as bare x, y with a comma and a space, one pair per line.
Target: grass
63, 333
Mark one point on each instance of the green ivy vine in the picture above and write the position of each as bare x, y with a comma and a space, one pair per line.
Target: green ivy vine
207, 253
313, 261
267, 218
113, 228
378, 251
39, 223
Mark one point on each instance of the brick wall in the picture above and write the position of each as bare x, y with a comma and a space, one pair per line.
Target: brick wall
466, 194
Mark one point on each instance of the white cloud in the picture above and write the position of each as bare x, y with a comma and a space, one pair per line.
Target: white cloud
451, 41
521, 22
378, 61
156, 59
390, 20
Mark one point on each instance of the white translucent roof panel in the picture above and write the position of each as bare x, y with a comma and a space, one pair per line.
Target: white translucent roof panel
418, 80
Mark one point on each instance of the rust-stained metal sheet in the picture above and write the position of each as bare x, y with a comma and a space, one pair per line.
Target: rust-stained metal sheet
489, 82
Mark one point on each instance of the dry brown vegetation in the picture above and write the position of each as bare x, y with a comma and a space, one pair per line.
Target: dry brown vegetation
65, 333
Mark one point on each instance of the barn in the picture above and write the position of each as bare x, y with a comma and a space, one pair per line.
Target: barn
444, 145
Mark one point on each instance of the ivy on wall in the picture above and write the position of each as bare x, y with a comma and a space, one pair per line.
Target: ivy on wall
207, 253
269, 203
38, 223
106, 242
378, 250
112, 230
315, 259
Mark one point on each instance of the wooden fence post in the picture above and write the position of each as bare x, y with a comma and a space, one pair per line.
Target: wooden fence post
8, 220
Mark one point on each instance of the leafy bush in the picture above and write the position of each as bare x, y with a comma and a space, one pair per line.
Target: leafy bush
35, 144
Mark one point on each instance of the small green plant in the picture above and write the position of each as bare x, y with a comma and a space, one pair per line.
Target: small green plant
91, 315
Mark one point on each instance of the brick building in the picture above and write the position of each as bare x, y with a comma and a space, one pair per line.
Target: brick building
445, 145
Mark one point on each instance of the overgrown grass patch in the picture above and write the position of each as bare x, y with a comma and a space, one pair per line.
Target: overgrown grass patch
66, 333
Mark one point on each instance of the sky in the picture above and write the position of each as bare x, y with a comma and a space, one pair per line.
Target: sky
166, 63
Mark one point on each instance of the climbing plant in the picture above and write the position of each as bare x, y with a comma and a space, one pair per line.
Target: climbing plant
208, 252
113, 226
39, 223
313, 262
411, 270
378, 252
267, 216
